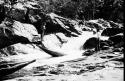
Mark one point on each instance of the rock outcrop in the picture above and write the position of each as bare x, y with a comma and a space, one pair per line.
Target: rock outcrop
59, 24
13, 32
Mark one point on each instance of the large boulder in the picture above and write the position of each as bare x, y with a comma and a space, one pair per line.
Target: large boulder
19, 49
57, 24
15, 32
97, 43
55, 41
91, 43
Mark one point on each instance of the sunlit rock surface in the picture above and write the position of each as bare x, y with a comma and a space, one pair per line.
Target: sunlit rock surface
13, 32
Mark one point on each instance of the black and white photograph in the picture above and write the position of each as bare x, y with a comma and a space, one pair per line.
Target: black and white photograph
61, 40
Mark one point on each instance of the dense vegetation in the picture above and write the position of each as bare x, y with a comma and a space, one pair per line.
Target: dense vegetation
82, 9
86, 9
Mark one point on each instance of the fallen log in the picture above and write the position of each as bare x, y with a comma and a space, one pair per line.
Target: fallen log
12, 67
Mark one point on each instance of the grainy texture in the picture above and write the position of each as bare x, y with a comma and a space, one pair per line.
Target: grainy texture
61, 40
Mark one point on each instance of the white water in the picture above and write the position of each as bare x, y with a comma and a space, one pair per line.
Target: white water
71, 49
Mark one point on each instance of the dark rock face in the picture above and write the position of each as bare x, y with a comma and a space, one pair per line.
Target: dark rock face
23, 12
112, 31
117, 40
59, 24
16, 14
2, 13
91, 43
97, 44
6, 41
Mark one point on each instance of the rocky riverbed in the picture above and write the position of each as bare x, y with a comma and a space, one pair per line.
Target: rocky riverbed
101, 66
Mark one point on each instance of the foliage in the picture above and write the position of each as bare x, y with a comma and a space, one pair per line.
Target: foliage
86, 9
83, 9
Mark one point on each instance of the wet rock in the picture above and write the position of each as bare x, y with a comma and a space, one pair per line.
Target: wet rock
62, 38
105, 48
117, 40
52, 41
115, 25
111, 31
104, 45
88, 52
120, 60
93, 25
118, 50
97, 43
98, 24
103, 23
91, 43
61, 65
54, 72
